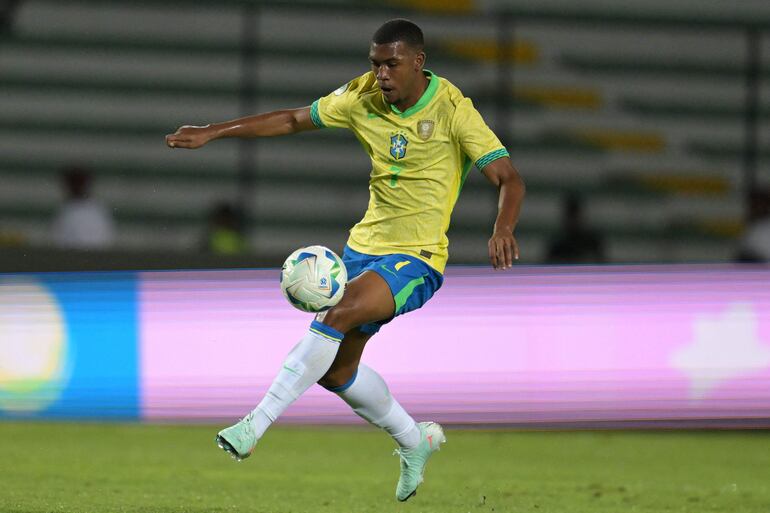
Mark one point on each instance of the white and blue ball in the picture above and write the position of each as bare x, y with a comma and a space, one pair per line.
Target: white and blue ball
313, 279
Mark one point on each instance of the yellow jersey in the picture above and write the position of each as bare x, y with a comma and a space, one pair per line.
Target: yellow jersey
420, 159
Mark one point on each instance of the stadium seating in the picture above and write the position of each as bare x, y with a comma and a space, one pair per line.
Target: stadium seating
645, 123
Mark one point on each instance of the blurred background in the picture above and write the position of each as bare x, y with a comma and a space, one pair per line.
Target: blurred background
642, 133
642, 130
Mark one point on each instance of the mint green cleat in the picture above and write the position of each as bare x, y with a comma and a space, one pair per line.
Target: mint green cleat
239, 439
413, 461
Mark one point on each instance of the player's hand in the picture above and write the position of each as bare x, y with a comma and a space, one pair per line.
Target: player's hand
503, 249
190, 137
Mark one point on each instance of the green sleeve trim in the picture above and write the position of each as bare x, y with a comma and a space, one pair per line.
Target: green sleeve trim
490, 157
315, 117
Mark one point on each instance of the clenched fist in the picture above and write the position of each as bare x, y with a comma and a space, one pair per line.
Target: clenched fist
190, 137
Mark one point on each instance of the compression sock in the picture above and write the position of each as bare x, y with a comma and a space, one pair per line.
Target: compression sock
304, 365
368, 395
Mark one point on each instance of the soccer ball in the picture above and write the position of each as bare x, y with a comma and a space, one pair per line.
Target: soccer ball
313, 279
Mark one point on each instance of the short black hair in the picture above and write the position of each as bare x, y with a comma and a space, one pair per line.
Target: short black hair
399, 30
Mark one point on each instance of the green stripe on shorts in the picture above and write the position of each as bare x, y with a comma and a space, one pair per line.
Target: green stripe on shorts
403, 295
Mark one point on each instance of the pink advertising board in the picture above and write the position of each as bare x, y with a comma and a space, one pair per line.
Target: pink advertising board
531, 345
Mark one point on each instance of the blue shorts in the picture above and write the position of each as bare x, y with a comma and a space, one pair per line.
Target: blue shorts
412, 282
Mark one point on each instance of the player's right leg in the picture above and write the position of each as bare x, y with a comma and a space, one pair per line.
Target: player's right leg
367, 299
309, 359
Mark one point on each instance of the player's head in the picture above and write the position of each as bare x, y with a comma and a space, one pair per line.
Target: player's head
397, 58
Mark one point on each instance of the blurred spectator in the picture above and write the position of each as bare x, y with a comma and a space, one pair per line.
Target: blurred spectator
755, 243
224, 234
82, 222
575, 243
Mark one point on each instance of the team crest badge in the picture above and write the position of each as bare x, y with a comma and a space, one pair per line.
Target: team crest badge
398, 146
425, 129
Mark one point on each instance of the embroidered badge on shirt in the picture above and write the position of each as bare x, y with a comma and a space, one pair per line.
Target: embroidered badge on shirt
398, 146
425, 128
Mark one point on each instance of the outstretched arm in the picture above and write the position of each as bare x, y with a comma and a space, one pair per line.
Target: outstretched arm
502, 245
279, 122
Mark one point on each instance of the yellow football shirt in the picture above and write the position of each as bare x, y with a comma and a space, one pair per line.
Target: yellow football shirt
420, 159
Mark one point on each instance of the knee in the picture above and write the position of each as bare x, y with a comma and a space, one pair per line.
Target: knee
338, 377
338, 317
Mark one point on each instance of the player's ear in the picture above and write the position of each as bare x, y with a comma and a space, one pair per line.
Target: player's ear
419, 61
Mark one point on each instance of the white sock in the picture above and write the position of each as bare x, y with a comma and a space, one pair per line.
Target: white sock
304, 365
370, 398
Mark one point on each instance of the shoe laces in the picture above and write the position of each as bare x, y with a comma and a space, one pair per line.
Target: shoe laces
246, 420
403, 455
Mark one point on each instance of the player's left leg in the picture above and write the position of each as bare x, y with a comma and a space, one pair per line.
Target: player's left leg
366, 392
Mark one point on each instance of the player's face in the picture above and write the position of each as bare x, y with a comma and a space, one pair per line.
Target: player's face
398, 67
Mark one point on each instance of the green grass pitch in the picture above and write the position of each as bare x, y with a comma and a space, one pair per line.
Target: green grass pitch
105, 468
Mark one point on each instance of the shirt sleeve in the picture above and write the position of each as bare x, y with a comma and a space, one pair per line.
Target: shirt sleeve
333, 110
476, 139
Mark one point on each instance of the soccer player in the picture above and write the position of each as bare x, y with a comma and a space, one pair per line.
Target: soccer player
422, 136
